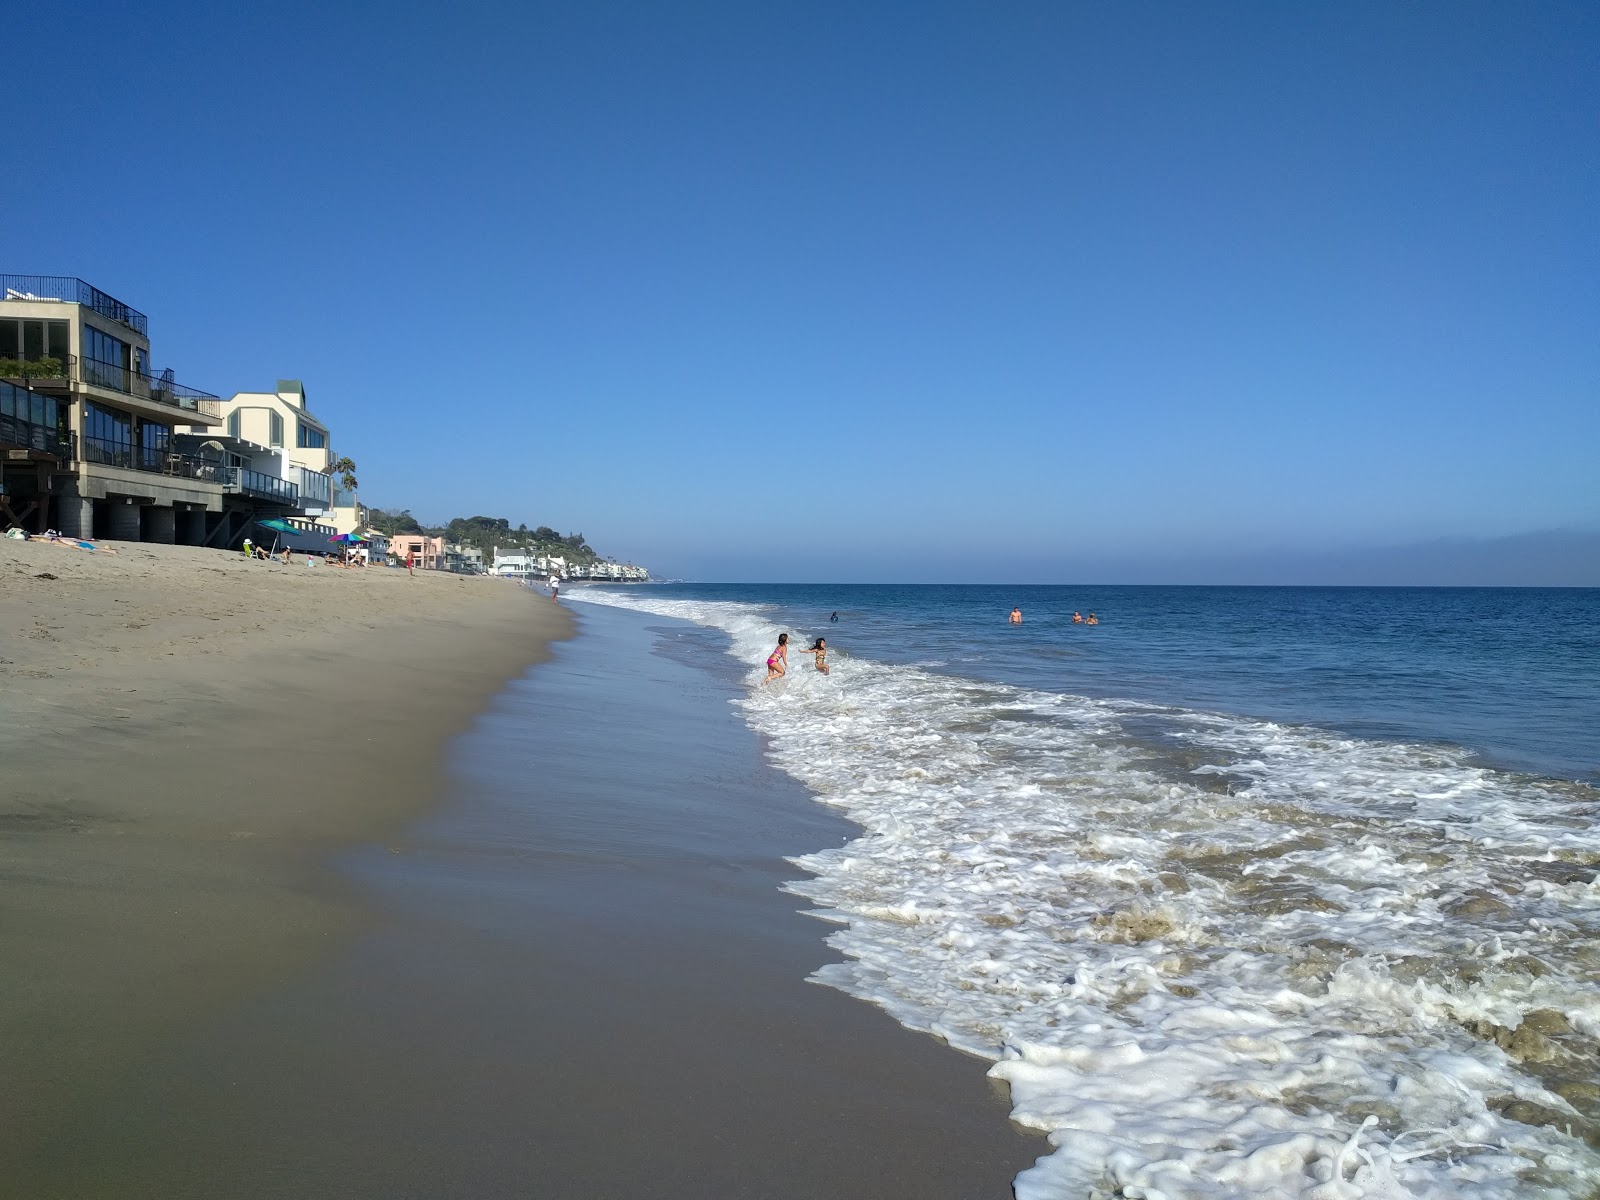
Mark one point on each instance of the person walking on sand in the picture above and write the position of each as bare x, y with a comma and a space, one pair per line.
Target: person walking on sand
411, 565
1016, 616
820, 649
778, 660
555, 588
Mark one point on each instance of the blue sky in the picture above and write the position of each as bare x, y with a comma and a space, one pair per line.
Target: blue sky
884, 291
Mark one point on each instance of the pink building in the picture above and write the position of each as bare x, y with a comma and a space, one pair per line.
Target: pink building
428, 552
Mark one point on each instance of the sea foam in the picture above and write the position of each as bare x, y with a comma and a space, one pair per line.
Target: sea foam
1211, 956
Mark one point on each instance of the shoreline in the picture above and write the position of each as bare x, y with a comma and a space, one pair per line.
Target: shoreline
186, 739
583, 978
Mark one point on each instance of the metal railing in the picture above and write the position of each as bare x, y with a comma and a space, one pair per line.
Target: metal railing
161, 388
315, 487
15, 432
259, 484
153, 459
66, 289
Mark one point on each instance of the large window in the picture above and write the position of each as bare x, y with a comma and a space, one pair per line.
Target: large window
154, 442
234, 423
274, 428
106, 360
34, 407
107, 436
309, 438
33, 340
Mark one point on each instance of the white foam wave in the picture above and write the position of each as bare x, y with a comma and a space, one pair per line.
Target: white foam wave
1211, 956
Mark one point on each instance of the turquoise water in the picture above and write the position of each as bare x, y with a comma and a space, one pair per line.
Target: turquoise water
1512, 674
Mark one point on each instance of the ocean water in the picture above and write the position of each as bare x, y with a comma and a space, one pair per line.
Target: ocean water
1244, 892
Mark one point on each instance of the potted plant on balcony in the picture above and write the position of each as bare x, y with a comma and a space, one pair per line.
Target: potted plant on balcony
38, 368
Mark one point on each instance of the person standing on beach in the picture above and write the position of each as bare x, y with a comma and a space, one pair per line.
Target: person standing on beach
1016, 616
778, 660
555, 588
411, 565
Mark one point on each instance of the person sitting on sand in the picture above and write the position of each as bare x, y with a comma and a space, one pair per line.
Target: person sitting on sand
778, 660
1092, 620
288, 557
1077, 618
820, 649
249, 548
1016, 616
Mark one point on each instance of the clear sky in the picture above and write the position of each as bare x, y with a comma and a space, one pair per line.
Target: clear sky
944, 291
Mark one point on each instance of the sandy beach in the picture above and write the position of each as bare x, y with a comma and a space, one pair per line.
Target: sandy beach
185, 739
310, 888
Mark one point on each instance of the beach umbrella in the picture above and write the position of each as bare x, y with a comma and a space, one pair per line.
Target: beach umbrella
278, 525
349, 539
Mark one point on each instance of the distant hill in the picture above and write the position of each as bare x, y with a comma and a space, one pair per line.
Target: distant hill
486, 533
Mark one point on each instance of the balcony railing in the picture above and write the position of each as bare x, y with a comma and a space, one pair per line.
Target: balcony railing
259, 484
315, 487
153, 459
65, 289
161, 388
46, 439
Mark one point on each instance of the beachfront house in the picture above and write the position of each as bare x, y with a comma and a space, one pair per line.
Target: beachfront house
462, 559
427, 553
514, 564
87, 423
275, 455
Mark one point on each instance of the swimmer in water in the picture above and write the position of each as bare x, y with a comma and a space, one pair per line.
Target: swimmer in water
834, 618
1092, 620
778, 660
820, 649
1016, 616
1077, 618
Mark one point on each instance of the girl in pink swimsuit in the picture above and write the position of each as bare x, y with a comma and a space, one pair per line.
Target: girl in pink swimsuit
778, 660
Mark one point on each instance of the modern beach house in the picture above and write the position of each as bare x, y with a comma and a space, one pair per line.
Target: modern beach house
276, 455
87, 424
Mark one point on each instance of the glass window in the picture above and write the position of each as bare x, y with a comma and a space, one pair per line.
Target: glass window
10, 346
57, 336
233, 423
33, 340
8, 400
311, 439
276, 431
108, 425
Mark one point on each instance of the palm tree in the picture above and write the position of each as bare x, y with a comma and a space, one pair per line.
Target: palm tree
345, 469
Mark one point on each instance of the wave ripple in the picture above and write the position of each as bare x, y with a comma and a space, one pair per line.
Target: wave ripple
1211, 956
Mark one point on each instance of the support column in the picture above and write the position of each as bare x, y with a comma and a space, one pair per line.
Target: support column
190, 527
122, 522
158, 524
75, 516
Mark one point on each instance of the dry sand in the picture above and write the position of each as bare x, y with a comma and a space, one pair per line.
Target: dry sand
185, 737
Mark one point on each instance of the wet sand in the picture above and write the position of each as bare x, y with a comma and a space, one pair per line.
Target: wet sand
583, 981
185, 739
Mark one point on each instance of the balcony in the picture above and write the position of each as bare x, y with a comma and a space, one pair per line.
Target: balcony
64, 289
161, 389
259, 485
31, 421
157, 461
316, 489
